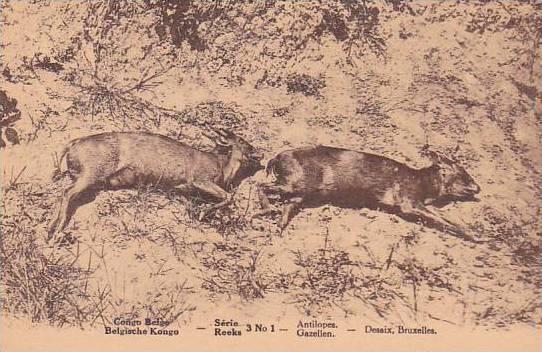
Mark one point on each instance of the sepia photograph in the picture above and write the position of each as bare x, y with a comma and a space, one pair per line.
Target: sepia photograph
271, 175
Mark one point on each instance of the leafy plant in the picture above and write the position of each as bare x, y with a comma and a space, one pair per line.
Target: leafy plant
9, 114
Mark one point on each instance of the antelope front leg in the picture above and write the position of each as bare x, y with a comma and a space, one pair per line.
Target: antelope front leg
432, 220
289, 210
216, 191
266, 207
438, 214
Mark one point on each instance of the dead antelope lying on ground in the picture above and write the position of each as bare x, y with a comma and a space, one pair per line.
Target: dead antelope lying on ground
130, 159
320, 175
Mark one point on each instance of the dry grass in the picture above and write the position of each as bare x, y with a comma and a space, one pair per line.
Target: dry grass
142, 252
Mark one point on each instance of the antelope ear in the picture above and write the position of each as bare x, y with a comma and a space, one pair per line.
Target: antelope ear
435, 158
221, 131
427, 152
224, 134
227, 133
217, 140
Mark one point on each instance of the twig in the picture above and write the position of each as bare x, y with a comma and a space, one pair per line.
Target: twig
88, 270
144, 81
326, 240
13, 182
248, 200
388, 262
415, 296
440, 319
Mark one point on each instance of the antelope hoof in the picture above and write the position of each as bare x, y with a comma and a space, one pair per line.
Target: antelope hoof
202, 215
471, 238
264, 212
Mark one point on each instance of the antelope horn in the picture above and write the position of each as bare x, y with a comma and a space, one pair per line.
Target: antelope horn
223, 132
216, 139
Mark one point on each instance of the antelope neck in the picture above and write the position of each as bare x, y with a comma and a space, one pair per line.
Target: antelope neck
230, 166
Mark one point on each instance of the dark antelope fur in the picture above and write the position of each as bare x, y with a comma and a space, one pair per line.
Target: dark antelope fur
320, 175
130, 159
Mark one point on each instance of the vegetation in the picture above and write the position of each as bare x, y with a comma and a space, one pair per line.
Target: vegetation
383, 76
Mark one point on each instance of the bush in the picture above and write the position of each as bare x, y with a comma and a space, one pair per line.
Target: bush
302, 83
9, 114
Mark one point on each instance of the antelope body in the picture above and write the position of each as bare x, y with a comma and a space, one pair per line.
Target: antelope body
314, 176
127, 159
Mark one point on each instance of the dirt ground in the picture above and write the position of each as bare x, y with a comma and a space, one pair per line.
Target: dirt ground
448, 74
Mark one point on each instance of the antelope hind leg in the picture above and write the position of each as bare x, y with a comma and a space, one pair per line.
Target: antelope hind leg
66, 203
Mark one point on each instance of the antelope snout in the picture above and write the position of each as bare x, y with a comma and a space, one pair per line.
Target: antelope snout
258, 156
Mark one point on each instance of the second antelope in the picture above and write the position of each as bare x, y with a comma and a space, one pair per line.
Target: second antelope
314, 176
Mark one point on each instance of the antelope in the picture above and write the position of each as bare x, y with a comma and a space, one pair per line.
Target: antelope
116, 160
314, 176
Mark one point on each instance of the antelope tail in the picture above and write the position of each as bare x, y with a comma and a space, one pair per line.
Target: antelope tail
57, 172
